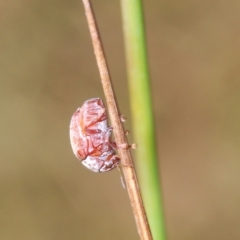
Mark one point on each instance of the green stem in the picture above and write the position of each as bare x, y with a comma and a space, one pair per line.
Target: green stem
142, 114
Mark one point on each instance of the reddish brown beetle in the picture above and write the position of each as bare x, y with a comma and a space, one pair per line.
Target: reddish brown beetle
90, 137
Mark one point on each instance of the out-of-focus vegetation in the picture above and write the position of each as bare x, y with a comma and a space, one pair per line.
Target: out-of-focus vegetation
47, 70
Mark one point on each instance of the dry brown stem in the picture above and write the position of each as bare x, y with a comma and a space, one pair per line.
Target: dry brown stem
126, 160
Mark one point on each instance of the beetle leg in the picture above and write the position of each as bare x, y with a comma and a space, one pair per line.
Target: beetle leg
96, 150
91, 131
127, 146
112, 144
122, 118
110, 163
126, 132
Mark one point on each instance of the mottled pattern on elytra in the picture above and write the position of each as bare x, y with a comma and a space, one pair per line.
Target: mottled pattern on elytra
90, 137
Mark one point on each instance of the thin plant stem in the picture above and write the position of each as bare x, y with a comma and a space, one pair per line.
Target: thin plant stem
126, 160
142, 114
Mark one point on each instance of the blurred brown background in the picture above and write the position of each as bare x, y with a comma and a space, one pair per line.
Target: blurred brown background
47, 70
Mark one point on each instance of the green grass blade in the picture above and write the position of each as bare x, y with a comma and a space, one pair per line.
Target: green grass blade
142, 114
